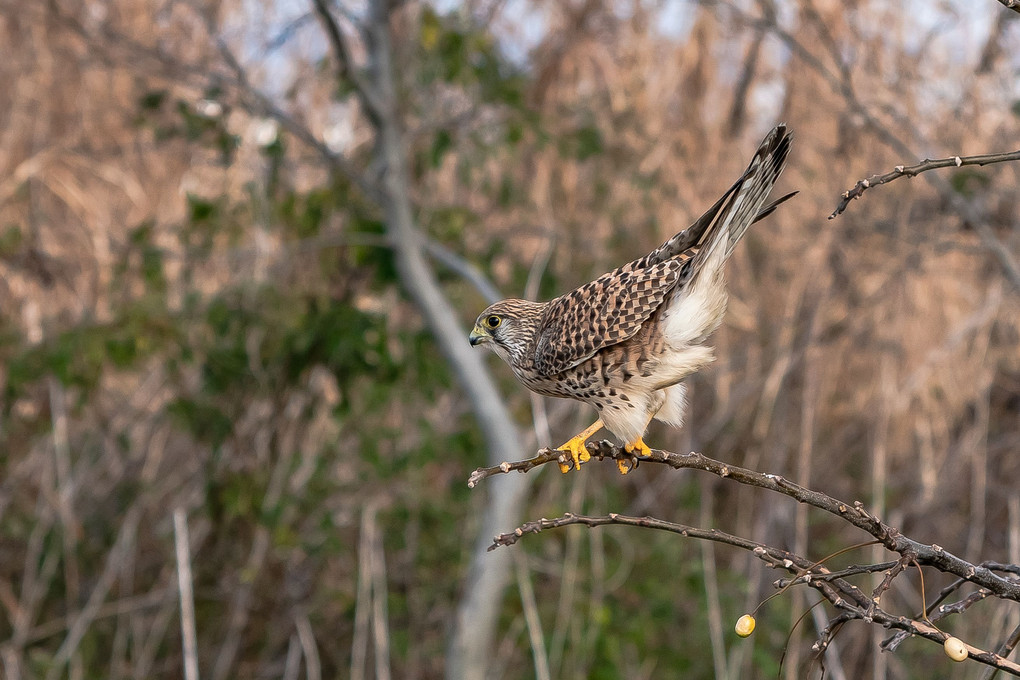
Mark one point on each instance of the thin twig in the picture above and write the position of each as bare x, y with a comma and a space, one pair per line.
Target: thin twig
772, 556
345, 60
531, 617
1004, 650
363, 600
187, 594
380, 594
886, 582
914, 170
938, 612
827, 634
466, 270
1011, 4
544, 456
853, 570
76, 631
306, 636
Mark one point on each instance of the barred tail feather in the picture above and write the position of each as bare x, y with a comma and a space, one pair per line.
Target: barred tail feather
774, 148
771, 159
744, 203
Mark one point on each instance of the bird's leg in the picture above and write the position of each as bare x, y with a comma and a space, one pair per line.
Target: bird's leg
639, 448
575, 445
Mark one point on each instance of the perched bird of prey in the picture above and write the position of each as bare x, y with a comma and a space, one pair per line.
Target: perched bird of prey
625, 341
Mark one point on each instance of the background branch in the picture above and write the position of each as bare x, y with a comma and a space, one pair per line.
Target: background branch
913, 170
470, 643
345, 61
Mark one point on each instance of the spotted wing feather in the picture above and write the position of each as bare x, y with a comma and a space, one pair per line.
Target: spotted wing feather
602, 313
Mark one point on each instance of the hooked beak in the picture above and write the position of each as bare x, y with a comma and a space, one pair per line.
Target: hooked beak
478, 336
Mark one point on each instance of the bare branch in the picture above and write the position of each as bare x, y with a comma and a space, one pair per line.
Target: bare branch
1004, 650
854, 513
466, 270
259, 101
840, 593
852, 570
345, 60
1011, 4
544, 456
773, 557
936, 612
769, 555
914, 170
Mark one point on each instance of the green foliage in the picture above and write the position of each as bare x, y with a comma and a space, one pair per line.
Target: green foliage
201, 210
449, 223
442, 143
467, 56
303, 215
969, 181
78, 357
183, 121
210, 218
377, 259
152, 100
582, 143
11, 240
347, 341
143, 260
203, 419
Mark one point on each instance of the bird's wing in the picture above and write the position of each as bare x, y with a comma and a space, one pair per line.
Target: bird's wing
613, 307
601, 313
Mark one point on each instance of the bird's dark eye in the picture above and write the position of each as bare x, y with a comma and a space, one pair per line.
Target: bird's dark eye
492, 321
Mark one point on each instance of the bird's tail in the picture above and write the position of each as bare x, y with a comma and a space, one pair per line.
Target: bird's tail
726, 221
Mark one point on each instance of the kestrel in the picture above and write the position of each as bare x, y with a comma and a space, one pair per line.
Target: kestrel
625, 342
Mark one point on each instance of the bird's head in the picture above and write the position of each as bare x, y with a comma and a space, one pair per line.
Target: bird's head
508, 328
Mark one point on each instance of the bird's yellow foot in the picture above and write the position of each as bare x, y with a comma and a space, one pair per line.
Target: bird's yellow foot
639, 448
576, 448
578, 453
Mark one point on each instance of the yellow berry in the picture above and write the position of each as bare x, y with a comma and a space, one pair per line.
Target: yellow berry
745, 625
955, 649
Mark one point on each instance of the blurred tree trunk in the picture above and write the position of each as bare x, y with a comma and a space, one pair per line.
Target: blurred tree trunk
471, 640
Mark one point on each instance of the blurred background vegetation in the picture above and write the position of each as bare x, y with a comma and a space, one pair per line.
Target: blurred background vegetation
200, 308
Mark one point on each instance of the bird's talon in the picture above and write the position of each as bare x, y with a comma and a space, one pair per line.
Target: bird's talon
578, 455
638, 448
625, 466
575, 446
